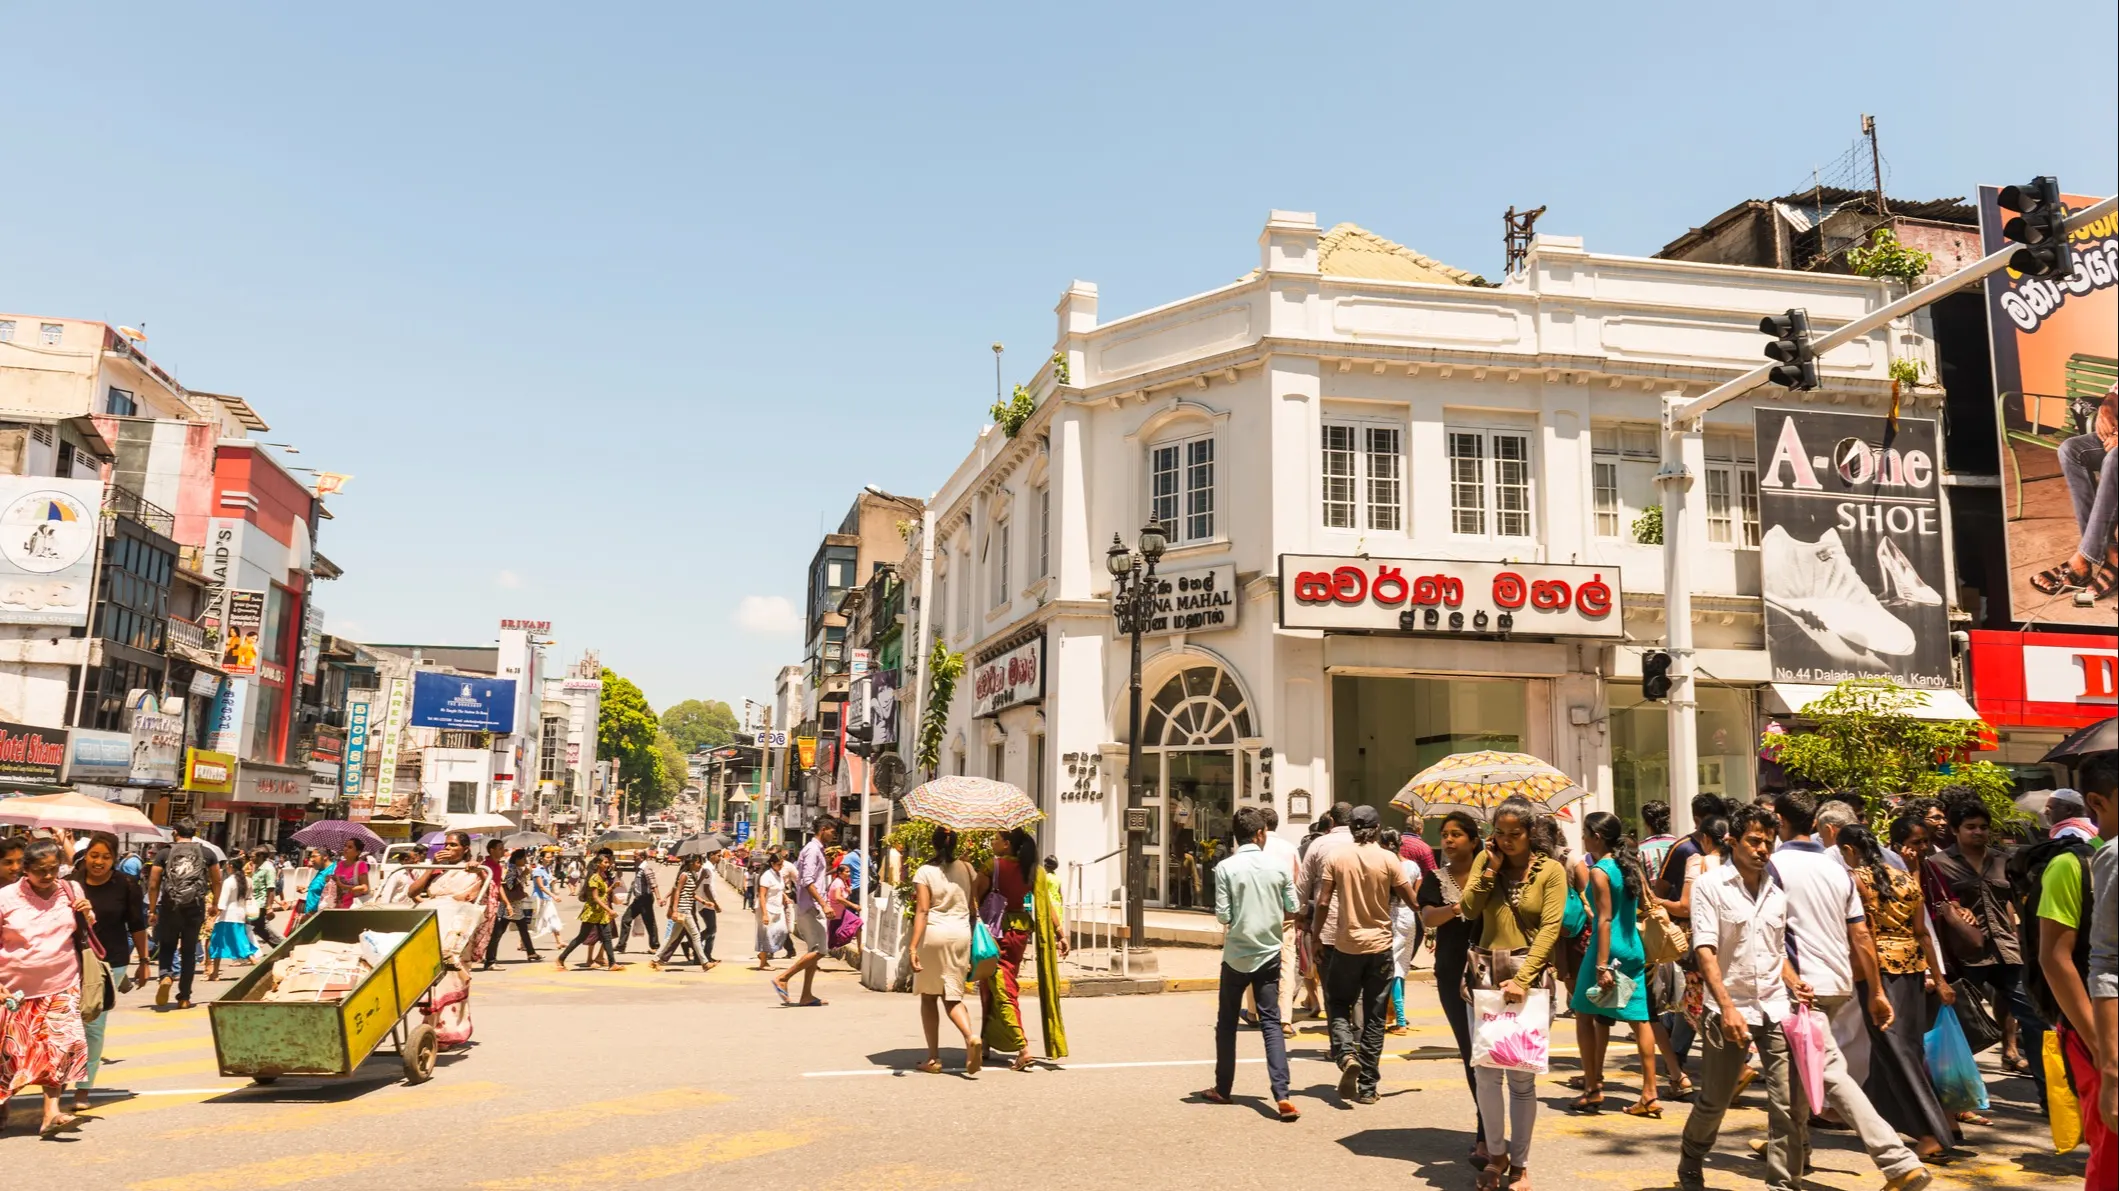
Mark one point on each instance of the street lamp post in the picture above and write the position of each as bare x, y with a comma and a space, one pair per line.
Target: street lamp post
1132, 607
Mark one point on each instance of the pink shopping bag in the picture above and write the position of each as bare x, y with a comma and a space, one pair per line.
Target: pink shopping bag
1807, 1039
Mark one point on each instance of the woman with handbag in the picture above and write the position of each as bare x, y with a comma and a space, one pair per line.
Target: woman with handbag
1517, 893
1971, 903
1898, 1083
941, 949
119, 911
1024, 915
44, 927
1615, 986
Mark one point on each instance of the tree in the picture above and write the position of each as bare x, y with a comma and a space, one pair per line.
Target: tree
1865, 747
670, 770
625, 734
700, 723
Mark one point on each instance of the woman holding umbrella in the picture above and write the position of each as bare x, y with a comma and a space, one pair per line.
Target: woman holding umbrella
941, 949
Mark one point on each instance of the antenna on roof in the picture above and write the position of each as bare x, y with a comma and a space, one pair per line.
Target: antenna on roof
1515, 237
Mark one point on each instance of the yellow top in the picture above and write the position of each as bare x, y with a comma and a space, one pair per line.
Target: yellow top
1530, 919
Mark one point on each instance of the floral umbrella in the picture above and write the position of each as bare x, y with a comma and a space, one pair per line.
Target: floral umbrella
1479, 782
332, 834
971, 804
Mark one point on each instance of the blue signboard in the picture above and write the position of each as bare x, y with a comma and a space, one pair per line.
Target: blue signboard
463, 702
742, 831
356, 751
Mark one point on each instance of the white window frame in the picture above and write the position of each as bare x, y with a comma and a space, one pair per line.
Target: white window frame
1044, 531
1730, 491
1364, 512
1192, 507
970, 585
999, 543
1485, 484
51, 333
1619, 452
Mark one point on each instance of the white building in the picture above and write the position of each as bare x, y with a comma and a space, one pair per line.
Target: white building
1356, 401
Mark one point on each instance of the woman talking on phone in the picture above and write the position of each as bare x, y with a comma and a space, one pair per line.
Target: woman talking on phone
1517, 894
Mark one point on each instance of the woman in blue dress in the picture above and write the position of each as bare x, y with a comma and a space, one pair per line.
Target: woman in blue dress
1615, 964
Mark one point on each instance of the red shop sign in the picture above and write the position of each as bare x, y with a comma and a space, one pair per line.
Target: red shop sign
1414, 595
2057, 680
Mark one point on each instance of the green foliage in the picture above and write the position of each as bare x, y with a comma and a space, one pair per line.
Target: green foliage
1863, 746
700, 723
914, 841
625, 734
1906, 371
1011, 416
943, 669
671, 774
1060, 371
1886, 258
1648, 527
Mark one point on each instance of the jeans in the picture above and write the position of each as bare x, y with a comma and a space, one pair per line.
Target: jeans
2004, 984
1265, 984
1398, 1000
500, 927
1364, 980
1521, 1112
709, 924
640, 911
685, 931
177, 943
1787, 1114
1681, 1036
262, 925
2094, 489
591, 933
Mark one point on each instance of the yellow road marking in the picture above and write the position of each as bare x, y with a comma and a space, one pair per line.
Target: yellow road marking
645, 1104
648, 1163
126, 1075
273, 1172
133, 1050
100, 1110
273, 1118
134, 1025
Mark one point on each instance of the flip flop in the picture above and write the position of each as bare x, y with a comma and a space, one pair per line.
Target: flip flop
811, 1003
65, 1124
779, 992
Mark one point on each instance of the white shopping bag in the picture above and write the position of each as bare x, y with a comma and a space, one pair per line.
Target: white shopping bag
1511, 1037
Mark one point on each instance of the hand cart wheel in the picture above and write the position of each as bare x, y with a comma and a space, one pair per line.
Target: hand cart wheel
418, 1052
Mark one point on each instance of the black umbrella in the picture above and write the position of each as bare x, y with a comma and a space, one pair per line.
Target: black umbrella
2100, 737
702, 845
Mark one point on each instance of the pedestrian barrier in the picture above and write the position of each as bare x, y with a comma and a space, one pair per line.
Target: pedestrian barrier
1094, 917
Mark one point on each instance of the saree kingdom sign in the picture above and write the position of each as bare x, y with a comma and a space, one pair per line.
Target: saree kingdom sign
1852, 559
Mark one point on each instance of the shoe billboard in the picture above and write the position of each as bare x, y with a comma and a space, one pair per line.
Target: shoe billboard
1852, 554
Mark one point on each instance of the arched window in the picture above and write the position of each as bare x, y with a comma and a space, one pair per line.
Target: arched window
1198, 706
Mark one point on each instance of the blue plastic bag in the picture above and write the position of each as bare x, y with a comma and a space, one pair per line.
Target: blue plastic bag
1951, 1067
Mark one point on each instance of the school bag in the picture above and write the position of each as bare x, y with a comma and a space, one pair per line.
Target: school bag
2027, 877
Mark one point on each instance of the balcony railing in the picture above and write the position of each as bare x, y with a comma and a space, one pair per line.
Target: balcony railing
120, 501
194, 642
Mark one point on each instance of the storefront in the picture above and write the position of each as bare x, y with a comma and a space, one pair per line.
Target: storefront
2035, 688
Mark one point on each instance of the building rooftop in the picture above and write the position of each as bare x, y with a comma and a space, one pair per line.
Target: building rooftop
1349, 250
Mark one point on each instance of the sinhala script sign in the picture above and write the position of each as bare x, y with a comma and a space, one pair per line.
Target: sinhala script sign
1426, 595
1200, 601
1017, 676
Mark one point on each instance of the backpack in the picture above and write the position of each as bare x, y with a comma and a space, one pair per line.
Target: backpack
184, 874
2027, 876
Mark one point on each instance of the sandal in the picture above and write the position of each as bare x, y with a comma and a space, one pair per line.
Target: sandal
1683, 1089
68, 1123
1969, 1117
1589, 1103
2055, 580
1490, 1178
974, 1057
930, 1067
1576, 1082
2104, 579
1023, 1063
1209, 1095
2016, 1063
1645, 1108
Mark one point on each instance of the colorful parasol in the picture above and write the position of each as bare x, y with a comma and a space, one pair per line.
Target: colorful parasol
73, 812
1479, 782
332, 834
972, 804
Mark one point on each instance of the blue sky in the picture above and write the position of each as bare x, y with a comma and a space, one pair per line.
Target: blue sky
609, 307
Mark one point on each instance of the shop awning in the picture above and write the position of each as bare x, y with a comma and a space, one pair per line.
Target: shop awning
1928, 704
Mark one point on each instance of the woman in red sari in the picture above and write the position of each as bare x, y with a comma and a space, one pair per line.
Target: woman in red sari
1029, 898
42, 1038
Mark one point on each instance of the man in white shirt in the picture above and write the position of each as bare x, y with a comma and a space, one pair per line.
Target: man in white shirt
1319, 933
1739, 933
1830, 944
1282, 852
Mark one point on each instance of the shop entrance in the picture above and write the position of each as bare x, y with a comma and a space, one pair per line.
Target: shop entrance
1192, 735
1385, 730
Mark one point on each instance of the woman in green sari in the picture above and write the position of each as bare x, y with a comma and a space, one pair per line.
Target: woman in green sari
1032, 910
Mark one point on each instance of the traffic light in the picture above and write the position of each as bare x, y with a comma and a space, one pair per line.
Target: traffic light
1655, 675
1797, 368
2041, 227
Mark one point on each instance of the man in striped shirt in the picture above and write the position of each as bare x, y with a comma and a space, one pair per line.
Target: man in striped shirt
683, 920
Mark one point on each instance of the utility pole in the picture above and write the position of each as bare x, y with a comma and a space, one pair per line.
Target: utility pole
1682, 450
1876, 165
998, 397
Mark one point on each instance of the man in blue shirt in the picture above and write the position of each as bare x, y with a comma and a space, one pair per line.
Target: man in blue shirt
1254, 899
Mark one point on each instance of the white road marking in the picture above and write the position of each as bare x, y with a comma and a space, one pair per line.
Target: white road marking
860, 1071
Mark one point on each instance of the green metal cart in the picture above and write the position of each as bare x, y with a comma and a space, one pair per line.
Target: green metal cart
267, 1039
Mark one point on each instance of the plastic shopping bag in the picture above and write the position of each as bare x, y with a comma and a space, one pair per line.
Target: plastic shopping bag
1951, 1067
2063, 1110
1511, 1037
1806, 1034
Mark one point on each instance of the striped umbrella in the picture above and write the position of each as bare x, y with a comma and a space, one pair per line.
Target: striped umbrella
73, 812
332, 834
972, 804
1479, 782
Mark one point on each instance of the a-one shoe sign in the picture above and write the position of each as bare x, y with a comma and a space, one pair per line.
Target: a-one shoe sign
1852, 556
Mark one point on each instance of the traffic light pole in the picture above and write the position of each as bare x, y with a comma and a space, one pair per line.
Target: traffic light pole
1682, 453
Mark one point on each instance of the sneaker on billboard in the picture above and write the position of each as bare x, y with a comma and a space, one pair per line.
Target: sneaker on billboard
1816, 583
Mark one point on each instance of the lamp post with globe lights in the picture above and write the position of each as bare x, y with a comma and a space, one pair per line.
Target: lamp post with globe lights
1132, 607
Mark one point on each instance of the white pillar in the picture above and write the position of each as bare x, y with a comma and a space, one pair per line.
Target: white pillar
1682, 460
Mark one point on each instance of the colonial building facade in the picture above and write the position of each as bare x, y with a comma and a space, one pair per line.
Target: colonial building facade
1404, 508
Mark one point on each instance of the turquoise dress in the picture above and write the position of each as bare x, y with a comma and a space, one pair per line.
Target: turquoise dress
1625, 952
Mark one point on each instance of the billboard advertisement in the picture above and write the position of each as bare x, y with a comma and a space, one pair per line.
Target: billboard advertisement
1852, 559
2056, 359
48, 530
463, 702
239, 640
